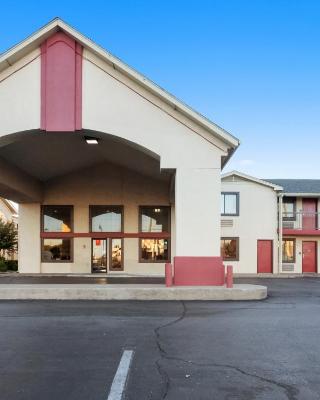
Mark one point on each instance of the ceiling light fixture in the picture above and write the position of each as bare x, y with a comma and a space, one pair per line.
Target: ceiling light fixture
91, 140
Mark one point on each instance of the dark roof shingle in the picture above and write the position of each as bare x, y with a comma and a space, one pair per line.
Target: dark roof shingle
297, 185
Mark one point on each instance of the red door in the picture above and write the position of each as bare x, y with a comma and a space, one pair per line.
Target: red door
265, 257
309, 216
309, 256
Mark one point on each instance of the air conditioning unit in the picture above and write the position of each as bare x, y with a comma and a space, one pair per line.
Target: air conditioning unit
287, 267
288, 224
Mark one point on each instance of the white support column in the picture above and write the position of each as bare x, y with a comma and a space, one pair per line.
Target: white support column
197, 212
29, 243
280, 227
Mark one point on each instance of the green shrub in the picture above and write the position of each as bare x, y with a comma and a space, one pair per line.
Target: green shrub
12, 265
3, 266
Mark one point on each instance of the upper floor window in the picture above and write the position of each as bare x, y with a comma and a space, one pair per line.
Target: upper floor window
57, 218
106, 218
229, 203
289, 209
154, 219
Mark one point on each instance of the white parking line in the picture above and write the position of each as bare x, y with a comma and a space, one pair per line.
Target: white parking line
120, 378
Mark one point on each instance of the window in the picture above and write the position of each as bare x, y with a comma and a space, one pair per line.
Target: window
57, 218
229, 203
154, 250
288, 250
116, 255
154, 219
56, 250
230, 249
289, 209
106, 218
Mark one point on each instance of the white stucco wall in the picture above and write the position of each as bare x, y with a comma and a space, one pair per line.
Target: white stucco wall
114, 104
118, 107
197, 205
20, 95
257, 220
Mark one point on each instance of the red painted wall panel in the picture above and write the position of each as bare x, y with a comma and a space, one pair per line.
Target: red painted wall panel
265, 256
301, 232
61, 83
198, 271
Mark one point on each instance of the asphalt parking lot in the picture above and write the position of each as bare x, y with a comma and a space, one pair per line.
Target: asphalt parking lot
193, 350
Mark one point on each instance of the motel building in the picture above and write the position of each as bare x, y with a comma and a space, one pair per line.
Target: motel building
257, 215
111, 173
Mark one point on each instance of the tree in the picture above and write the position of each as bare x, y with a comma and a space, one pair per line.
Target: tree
8, 237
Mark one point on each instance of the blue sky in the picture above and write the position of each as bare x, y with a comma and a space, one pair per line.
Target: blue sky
252, 67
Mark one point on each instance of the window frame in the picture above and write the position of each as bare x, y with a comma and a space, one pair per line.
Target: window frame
143, 261
121, 207
294, 250
57, 235
56, 205
140, 218
150, 237
110, 255
294, 202
58, 261
237, 239
237, 213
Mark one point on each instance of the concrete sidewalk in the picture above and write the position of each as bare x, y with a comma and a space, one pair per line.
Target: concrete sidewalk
129, 292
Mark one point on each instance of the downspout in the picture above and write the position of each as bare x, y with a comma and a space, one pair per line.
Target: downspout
280, 228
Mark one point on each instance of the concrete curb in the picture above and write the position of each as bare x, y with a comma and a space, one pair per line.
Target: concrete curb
129, 292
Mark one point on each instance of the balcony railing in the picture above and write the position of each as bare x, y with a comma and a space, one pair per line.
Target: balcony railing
302, 220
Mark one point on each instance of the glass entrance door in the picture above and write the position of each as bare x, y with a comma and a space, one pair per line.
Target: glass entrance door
99, 255
107, 255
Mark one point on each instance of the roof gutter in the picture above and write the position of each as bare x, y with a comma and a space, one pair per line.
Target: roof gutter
301, 194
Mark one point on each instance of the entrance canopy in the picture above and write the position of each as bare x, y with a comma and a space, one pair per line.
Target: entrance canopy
30, 160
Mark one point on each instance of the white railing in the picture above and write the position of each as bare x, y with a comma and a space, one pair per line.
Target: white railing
301, 220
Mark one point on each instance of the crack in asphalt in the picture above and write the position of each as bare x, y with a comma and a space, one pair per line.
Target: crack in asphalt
163, 353
290, 391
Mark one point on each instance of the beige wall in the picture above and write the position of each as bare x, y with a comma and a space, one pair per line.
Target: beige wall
29, 238
105, 184
257, 220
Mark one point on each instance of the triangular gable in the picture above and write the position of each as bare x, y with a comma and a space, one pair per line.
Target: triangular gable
250, 178
177, 107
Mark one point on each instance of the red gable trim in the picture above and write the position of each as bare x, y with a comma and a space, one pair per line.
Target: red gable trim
61, 84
